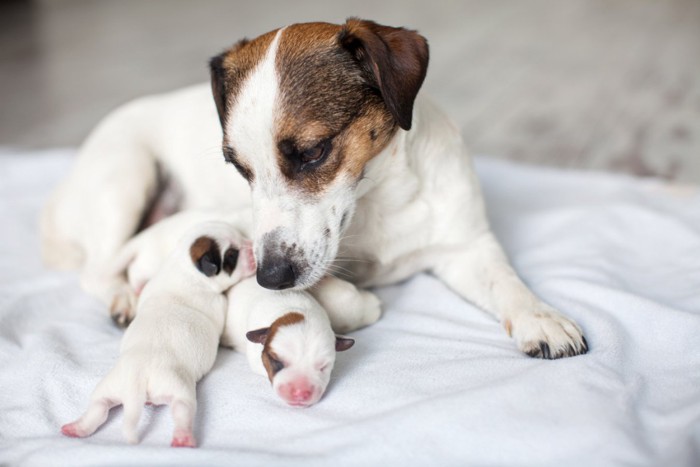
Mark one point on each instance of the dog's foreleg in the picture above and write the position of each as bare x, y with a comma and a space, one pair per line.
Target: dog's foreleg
482, 274
348, 307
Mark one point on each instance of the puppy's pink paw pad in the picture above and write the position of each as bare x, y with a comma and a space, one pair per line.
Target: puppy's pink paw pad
71, 429
186, 441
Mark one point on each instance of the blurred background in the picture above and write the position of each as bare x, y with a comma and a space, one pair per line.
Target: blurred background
593, 84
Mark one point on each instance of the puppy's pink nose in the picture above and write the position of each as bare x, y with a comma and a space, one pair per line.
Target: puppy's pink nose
297, 392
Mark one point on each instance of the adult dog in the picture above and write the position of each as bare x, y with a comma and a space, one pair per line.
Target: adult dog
319, 121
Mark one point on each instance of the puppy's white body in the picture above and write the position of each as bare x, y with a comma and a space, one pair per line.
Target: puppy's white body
121, 281
172, 342
306, 346
417, 206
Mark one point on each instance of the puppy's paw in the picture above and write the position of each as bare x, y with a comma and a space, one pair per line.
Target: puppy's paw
546, 334
73, 430
372, 307
183, 439
123, 308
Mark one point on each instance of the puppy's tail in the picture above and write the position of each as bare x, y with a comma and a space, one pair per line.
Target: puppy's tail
133, 406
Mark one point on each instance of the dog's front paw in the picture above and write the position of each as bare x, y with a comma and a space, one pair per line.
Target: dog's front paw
546, 334
372, 307
123, 308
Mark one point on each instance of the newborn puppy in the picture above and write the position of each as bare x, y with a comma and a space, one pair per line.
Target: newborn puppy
173, 340
298, 344
142, 256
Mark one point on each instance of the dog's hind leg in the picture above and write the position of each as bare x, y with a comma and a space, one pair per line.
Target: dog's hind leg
91, 420
183, 417
482, 274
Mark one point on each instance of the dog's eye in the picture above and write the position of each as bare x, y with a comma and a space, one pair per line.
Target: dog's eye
316, 154
275, 364
231, 158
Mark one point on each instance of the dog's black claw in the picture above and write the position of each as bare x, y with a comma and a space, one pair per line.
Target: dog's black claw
546, 352
585, 345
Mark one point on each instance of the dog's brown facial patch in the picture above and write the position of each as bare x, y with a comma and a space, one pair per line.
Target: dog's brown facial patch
206, 256
331, 120
343, 89
272, 363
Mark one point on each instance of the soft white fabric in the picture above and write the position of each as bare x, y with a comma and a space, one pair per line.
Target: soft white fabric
435, 381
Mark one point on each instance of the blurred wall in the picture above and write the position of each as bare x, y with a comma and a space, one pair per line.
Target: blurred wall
611, 85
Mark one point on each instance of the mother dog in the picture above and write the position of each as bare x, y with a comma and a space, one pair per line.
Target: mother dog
344, 165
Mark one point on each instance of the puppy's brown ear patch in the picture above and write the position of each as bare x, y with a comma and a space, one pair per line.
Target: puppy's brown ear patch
393, 60
206, 256
343, 343
259, 336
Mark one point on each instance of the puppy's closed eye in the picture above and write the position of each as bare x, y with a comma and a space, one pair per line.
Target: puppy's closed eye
206, 256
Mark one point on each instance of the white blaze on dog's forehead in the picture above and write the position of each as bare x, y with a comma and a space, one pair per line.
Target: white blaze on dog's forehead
251, 122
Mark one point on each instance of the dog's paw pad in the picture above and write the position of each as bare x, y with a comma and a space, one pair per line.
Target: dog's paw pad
548, 335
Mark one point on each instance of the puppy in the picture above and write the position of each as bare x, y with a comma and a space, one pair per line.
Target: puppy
173, 341
121, 282
287, 335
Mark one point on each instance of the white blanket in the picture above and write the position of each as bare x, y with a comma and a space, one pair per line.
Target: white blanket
435, 381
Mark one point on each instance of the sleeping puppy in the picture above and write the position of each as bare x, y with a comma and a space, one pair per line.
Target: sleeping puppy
173, 340
288, 337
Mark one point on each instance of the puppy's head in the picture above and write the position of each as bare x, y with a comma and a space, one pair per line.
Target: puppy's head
303, 110
220, 252
299, 356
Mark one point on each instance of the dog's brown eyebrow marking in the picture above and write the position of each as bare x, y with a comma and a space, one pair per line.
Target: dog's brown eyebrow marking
268, 355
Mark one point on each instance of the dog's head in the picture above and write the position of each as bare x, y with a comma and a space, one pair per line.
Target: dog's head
299, 355
220, 252
303, 109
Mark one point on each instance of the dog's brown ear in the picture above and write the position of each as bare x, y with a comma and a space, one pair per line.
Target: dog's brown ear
343, 343
394, 61
217, 71
206, 256
259, 336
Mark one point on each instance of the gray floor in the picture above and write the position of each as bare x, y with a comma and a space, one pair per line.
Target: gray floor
612, 85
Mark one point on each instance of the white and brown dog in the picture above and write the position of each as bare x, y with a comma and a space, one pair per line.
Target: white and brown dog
175, 336
336, 153
287, 335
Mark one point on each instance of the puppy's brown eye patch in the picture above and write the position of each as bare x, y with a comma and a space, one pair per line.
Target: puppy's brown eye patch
272, 364
276, 365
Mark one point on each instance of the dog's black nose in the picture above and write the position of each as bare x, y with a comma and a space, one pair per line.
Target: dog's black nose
276, 273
